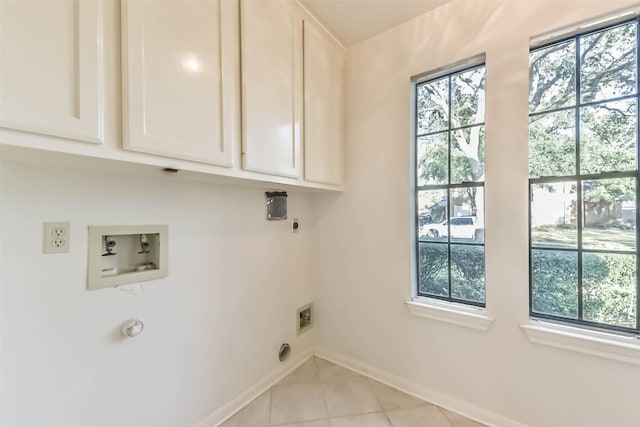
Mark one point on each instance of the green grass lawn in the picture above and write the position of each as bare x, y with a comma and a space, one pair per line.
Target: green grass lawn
592, 238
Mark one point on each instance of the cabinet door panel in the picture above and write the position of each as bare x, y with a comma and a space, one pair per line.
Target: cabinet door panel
51, 68
176, 66
323, 100
272, 87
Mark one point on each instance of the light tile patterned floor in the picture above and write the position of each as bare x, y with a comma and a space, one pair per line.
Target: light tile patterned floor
322, 394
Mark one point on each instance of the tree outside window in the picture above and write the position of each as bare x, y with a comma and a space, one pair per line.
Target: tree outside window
583, 179
450, 141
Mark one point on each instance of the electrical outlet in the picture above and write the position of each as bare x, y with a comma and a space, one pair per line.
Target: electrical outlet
55, 238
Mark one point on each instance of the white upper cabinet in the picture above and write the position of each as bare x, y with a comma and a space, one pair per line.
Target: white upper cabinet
51, 75
181, 73
247, 89
271, 34
323, 106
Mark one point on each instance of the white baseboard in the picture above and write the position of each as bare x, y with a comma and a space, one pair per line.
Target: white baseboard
425, 393
225, 412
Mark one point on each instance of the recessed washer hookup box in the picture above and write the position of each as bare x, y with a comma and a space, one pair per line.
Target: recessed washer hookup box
119, 255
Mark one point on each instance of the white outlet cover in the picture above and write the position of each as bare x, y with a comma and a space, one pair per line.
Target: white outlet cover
56, 237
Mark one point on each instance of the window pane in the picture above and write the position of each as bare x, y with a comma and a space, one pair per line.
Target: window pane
432, 215
433, 106
553, 214
609, 289
466, 221
552, 144
433, 271
467, 155
433, 159
608, 60
609, 214
587, 273
608, 135
552, 82
554, 283
467, 272
468, 98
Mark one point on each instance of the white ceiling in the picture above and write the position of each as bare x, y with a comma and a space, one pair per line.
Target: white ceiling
352, 21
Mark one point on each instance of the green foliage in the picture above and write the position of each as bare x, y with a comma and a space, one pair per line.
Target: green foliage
552, 144
608, 63
552, 79
546, 228
433, 275
433, 159
606, 191
432, 106
464, 167
609, 289
555, 283
608, 141
608, 138
446, 104
436, 114
467, 271
467, 97
607, 131
609, 295
433, 165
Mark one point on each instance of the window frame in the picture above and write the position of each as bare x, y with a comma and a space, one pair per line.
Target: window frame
579, 179
448, 72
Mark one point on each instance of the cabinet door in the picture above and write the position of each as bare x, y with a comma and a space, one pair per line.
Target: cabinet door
181, 78
51, 68
272, 86
323, 106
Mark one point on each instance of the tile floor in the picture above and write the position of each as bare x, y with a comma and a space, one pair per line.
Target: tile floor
322, 394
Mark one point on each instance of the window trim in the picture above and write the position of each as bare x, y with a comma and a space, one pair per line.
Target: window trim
450, 312
576, 33
452, 68
608, 345
591, 25
477, 61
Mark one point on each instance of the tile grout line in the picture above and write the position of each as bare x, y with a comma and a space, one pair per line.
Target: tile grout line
314, 380
270, 403
424, 402
370, 385
384, 410
451, 424
386, 415
324, 400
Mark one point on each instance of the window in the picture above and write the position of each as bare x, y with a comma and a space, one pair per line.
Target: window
583, 179
449, 183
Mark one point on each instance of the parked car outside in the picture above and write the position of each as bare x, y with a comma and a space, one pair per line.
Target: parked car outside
462, 227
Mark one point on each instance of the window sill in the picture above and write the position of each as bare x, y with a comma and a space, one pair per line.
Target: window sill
456, 314
595, 343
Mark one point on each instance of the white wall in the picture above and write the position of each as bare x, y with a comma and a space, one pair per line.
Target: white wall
363, 236
213, 327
